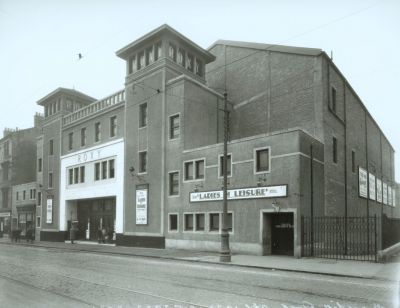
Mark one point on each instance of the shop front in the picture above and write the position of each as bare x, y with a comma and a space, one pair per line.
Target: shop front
26, 221
96, 220
5, 223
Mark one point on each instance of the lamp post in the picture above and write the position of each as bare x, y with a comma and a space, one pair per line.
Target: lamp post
225, 253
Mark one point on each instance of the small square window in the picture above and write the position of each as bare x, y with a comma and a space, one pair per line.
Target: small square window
214, 222
173, 222
142, 162
174, 183
174, 127
262, 160
188, 222
229, 165
200, 218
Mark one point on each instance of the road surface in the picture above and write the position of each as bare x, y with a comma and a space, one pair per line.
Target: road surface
48, 277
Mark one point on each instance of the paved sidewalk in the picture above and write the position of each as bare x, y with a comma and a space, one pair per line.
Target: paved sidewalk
360, 269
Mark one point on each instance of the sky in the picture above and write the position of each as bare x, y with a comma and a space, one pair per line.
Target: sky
40, 41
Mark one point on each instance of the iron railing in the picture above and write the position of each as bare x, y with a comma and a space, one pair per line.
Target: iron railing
351, 238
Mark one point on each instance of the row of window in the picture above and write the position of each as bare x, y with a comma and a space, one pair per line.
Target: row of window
185, 59
97, 133
194, 169
176, 53
32, 194
196, 222
145, 57
103, 170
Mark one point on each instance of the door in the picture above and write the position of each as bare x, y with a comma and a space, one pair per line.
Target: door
282, 234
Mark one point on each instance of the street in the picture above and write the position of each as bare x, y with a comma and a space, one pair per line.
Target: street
49, 277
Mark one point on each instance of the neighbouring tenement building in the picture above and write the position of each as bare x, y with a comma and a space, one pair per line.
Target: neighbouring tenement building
145, 162
17, 166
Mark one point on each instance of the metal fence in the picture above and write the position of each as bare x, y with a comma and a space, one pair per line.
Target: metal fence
390, 231
351, 238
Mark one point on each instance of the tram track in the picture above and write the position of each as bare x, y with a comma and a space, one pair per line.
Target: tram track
197, 287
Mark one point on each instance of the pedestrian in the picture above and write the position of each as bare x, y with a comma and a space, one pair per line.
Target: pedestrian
72, 233
29, 235
99, 235
103, 235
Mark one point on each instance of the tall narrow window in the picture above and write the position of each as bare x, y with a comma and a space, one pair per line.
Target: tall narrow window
70, 141
157, 51
103, 170
24, 195
70, 176
132, 65
51, 147
353, 161
149, 55
83, 136
143, 115
199, 222
50, 180
228, 163
97, 132
174, 126
181, 57
174, 183
190, 62
82, 174
140, 60
333, 97
172, 52
188, 171
17, 195
39, 198
97, 171
199, 68
39, 165
113, 126
334, 150
200, 169
188, 222
76, 175
111, 168
142, 162
173, 222
214, 222
262, 160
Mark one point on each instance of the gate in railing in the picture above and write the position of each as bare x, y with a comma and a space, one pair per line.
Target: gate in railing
351, 238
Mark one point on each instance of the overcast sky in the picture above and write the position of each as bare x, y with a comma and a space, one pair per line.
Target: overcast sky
40, 40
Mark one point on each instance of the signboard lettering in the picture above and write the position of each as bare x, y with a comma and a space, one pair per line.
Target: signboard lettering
363, 182
385, 193
240, 193
49, 211
91, 155
379, 190
372, 186
141, 206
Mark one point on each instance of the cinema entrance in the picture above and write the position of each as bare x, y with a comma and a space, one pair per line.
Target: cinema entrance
96, 220
278, 233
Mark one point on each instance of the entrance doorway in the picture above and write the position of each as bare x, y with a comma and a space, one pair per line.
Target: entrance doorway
94, 215
278, 234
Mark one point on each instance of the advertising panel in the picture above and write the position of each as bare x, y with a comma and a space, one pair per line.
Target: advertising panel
372, 186
362, 183
379, 190
49, 211
141, 206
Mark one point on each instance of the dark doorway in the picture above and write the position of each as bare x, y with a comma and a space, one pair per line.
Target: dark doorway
282, 234
96, 214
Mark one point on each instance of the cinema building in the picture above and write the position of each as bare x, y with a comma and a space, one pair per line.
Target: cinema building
145, 162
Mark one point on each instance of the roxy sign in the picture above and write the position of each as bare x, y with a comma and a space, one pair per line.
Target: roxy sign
240, 193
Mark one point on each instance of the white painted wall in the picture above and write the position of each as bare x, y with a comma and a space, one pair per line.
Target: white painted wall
91, 188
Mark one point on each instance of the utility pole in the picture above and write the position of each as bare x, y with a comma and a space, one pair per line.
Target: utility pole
225, 253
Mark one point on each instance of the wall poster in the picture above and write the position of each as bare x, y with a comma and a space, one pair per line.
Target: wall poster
142, 204
379, 190
385, 193
49, 210
372, 186
362, 183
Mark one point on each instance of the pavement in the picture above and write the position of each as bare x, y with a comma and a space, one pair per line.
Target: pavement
347, 268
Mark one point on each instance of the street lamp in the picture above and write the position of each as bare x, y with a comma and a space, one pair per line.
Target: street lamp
225, 253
